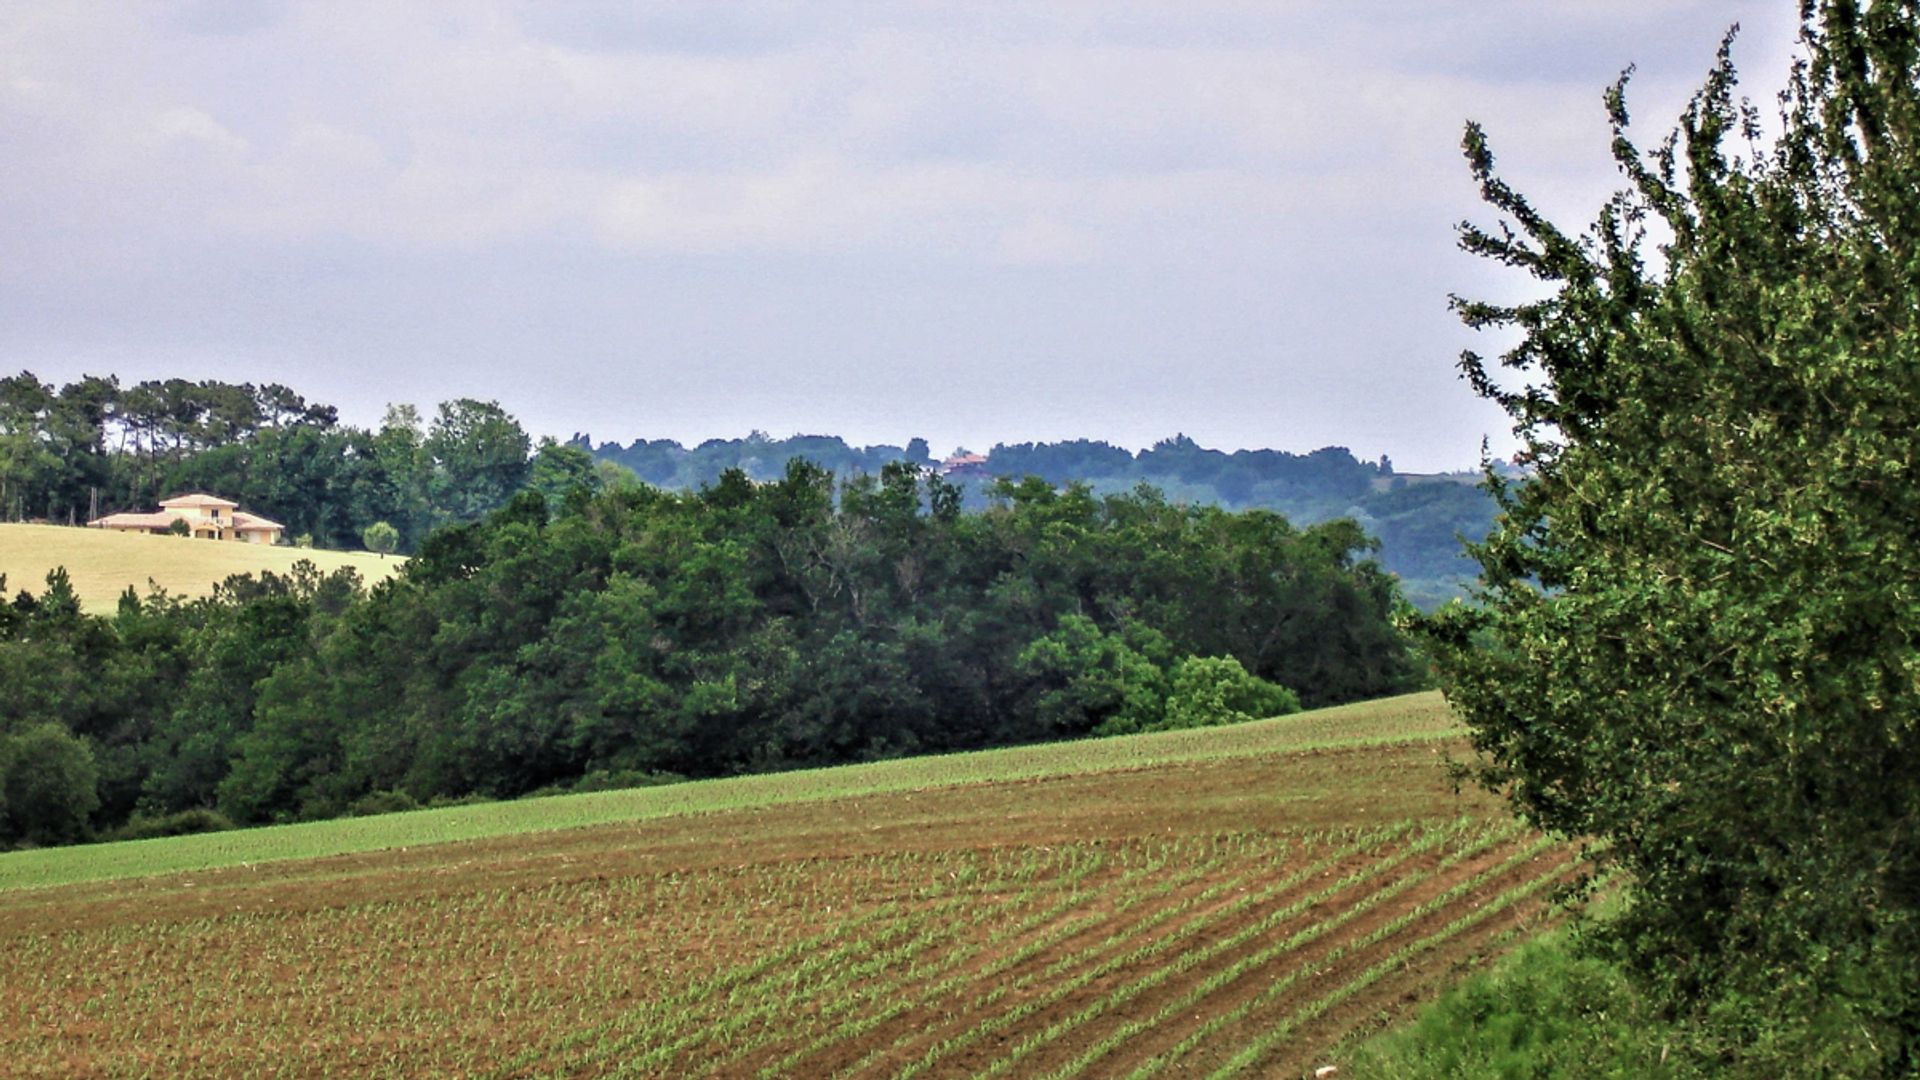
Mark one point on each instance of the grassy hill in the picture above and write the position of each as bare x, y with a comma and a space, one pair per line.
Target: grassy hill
1234, 901
102, 564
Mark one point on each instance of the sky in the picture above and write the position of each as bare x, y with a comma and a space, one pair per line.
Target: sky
973, 222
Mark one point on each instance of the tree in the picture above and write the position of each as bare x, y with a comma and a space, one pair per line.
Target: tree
380, 537
51, 785
558, 471
1696, 637
1212, 690
479, 454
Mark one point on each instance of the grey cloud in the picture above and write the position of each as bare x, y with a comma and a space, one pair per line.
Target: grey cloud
967, 221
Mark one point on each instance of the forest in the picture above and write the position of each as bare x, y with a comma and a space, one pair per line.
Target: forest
635, 635
1419, 520
94, 446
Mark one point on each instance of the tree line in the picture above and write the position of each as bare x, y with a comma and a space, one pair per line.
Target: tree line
1419, 524
632, 634
93, 447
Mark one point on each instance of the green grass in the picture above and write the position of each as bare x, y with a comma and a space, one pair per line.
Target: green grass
1411, 718
1542, 1011
102, 564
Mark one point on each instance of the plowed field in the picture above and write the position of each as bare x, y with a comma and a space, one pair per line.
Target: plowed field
1235, 916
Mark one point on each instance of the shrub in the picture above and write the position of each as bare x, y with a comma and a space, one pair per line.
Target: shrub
1211, 690
1543, 1011
622, 779
382, 802
184, 823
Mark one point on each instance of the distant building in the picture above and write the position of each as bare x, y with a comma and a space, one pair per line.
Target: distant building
964, 465
207, 517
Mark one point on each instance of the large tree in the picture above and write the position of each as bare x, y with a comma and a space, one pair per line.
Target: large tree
1697, 642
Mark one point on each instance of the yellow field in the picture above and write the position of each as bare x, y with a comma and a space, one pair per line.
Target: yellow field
102, 564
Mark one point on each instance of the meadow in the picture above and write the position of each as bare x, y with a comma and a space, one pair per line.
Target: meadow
1237, 901
103, 564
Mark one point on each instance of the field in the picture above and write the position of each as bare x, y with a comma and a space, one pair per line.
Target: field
102, 564
1241, 901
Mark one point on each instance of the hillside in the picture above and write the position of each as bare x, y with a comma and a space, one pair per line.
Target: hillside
102, 564
1238, 900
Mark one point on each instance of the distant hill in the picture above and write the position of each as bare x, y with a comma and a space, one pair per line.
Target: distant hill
1419, 519
102, 564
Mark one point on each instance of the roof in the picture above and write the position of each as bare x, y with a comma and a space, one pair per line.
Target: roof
198, 498
136, 521
241, 522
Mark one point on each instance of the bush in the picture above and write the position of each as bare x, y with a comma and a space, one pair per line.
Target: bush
1212, 690
1544, 1011
380, 537
185, 823
1087, 680
440, 802
622, 779
382, 802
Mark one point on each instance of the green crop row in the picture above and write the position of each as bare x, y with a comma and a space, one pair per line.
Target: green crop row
1253, 961
1061, 988
1252, 1051
1192, 959
1032, 947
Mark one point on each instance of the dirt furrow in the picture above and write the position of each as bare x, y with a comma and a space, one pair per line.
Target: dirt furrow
1309, 934
1066, 994
1306, 1001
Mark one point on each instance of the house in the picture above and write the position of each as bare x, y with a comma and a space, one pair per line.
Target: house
962, 463
207, 517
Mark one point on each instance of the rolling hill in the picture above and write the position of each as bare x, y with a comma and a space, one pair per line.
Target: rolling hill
103, 564
1232, 901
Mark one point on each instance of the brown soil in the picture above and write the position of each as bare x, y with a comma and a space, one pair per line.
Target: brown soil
581, 951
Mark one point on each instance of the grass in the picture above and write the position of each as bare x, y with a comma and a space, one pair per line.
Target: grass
103, 564
1232, 901
1415, 718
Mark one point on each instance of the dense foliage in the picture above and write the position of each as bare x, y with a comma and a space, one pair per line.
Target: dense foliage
1418, 520
1698, 642
93, 447
1546, 1010
638, 633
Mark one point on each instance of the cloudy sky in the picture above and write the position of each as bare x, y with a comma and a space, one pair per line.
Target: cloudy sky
970, 221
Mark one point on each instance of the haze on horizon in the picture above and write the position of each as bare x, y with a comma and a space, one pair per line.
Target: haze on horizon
972, 223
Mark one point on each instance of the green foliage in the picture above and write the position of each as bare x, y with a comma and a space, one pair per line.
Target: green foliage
1548, 1010
179, 527
380, 537
1095, 682
51, 784
1696, 638
480, 458
192, 822
1211, 690
743, 628
381, 802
